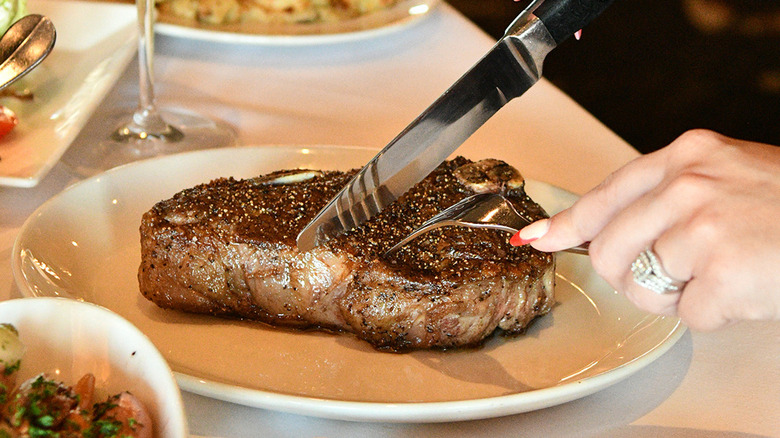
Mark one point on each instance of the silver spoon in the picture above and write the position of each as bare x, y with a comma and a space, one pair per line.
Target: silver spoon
484, 210
23, 46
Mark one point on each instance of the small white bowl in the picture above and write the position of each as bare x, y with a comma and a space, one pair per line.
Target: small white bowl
67, 339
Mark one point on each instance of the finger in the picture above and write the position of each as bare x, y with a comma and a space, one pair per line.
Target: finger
621, 241
663, 304
699, 309
683, 244
717, 294
684, 249
588, 216
687, 253
675, 250
654, 301
686, 245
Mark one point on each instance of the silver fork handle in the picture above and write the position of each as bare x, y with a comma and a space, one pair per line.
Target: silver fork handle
579, 249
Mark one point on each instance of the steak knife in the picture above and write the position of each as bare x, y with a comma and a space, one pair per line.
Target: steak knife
508, 70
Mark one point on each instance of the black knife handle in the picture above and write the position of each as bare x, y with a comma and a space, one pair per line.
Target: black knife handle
564, 17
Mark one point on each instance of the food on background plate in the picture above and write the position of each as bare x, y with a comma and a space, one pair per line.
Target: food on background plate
227, 248
8, 118
11, 352
220, 12
8, 121
10, 12
44, 407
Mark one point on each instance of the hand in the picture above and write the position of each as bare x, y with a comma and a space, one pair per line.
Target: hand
708, 205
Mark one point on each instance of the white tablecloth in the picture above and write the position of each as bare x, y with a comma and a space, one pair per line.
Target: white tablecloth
363, 92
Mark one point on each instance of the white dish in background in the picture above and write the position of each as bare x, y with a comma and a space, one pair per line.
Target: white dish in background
67, 86
67, 339
371, 25
84, 244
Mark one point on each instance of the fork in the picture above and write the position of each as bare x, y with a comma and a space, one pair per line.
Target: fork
483, 210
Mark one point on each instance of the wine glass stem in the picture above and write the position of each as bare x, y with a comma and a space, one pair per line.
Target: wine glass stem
146, 54
147, 121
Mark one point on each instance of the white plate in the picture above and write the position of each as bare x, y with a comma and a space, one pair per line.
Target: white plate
68, 85
67, 339
84, 244
370, 25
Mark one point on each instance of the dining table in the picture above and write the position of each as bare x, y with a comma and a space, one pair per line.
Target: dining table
361, 90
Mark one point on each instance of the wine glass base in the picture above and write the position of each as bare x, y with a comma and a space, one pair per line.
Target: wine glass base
187, 131
132, 133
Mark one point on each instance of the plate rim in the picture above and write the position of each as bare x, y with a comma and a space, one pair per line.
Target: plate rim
427, 412
368, 411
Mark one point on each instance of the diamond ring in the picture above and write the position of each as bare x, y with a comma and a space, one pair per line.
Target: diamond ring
649, 274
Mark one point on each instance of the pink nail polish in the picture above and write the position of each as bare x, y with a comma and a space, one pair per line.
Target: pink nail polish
516, 240
530, 233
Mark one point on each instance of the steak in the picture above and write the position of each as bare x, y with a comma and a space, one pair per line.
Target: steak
227, 248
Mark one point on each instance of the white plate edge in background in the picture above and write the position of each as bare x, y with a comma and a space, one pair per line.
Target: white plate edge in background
302, 39
49, 148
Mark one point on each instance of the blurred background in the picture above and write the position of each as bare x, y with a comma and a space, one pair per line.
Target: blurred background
652, 69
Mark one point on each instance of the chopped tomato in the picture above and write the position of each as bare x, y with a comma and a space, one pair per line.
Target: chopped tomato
8, 120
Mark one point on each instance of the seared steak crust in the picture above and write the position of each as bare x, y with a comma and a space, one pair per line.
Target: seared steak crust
228, 248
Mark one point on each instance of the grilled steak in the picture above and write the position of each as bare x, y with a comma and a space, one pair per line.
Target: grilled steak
227, 248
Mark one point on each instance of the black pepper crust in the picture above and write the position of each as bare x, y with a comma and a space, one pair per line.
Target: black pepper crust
256, 212
447, 256
252, 210
227, 248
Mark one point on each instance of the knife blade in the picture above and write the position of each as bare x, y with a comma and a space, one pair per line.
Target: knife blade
508, 70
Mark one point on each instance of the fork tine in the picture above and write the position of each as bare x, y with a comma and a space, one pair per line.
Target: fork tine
417, 233
450, 216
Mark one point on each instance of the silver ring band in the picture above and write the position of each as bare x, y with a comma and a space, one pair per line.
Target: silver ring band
649, 274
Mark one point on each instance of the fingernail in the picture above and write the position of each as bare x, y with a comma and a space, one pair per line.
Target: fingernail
530, 233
